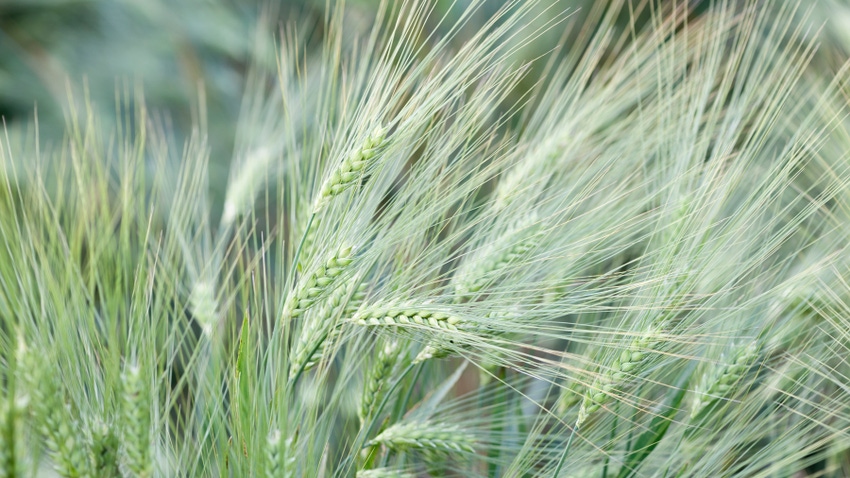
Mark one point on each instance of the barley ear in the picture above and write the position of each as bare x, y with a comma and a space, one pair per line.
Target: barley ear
53, 417
425, 436
135, 434
722, 381
307, 292
320, 329
104, 449
629, 363
202, 305
375, 384
383, 473
351, 169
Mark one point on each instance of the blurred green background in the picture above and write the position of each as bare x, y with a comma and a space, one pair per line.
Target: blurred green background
179, 51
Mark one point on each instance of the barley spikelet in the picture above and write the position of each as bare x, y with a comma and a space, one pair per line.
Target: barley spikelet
376, 381
629, 363
426, 435
135, 436
351, 169
318, 284
721, 382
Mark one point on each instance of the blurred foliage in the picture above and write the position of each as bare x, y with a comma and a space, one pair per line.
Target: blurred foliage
194, 57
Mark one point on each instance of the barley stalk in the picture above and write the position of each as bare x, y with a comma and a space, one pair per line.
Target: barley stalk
425, 435
318, 284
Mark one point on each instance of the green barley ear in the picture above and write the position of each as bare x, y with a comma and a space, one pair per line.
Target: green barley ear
320, 329
721, 382
243, 187
280, 456
629, 363
376, 384
406, 315
351, 169
425, 436
318, 284
135, 434
53, 417
383, 473
202, 305
104, 449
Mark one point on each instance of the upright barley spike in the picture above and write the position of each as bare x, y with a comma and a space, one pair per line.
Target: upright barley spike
318, 284
351, 169
136, 424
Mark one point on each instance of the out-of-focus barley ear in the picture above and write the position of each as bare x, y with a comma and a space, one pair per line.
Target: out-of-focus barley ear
53, 417
483, 266
245, 185
376, 383
280, 456
630, 362
320, 328
104, 449
318, 284
383, 473
426, 435
135, 423
202, 305
721, 381
351, 169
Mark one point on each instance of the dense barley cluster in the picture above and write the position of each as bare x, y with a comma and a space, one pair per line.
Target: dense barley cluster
628, 257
